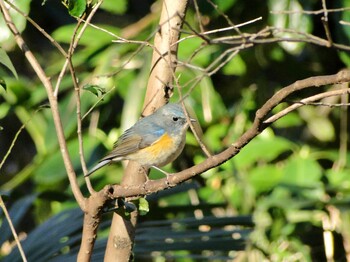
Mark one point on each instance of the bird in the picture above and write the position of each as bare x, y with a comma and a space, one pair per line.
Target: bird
153, 141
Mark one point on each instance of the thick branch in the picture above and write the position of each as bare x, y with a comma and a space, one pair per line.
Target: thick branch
160, 82
153, 186
159, 90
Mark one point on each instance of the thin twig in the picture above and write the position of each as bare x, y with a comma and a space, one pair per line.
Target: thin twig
306, 101
309, 12
194, 33
193, 129
198, 15
228, 20
325, 24
53, 104
74, 43
38, 27
13, 230
8, 152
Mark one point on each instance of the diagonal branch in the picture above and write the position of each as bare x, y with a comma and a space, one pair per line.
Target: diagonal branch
259, 124
53, 104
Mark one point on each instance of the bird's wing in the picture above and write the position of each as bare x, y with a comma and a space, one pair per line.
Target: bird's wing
128, 143
154, 132
133, 139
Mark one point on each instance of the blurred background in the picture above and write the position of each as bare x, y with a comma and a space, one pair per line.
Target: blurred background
284, 197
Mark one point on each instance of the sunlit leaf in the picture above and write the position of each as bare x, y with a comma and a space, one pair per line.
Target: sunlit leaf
339, 178
115, 6
75, 8
236, 66
5, 60
302, 171
4, 109
193, 51
6, 38
295, 20
322, 128
143, 206
92, 37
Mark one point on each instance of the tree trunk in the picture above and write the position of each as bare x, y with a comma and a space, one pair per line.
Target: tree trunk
159, 90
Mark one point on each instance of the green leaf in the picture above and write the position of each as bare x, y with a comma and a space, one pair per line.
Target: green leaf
224, 5
264, 178
214, 135
7, 40
115, 6
92, 37
5, 60
236, 66
295, 20
2, 83
193, 51
143, 206
302, 171
339, 178
345, 58
76, 8
322, 128
261, 148
4, 109
51, 171
95, 89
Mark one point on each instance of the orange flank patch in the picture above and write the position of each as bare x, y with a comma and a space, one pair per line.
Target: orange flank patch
164, 143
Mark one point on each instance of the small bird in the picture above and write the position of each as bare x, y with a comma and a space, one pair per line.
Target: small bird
153, 141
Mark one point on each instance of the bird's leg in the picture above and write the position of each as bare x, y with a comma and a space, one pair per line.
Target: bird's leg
165, 173
145, 172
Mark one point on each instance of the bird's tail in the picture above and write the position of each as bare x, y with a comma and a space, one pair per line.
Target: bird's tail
98, 166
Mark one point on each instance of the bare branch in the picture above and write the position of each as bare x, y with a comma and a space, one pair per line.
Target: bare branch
324, 20
310, 12
53, 104
13, 230
153, 186
8, 152
306, 101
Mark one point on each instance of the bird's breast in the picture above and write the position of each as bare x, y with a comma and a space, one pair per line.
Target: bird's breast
161, 152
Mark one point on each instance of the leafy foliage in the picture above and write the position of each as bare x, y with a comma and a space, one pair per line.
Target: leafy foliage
268, 200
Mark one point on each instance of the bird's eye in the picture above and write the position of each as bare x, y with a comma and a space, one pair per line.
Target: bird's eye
175, 118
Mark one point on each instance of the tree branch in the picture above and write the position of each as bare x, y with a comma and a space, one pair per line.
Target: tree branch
53, 104
153, 186
159, 90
